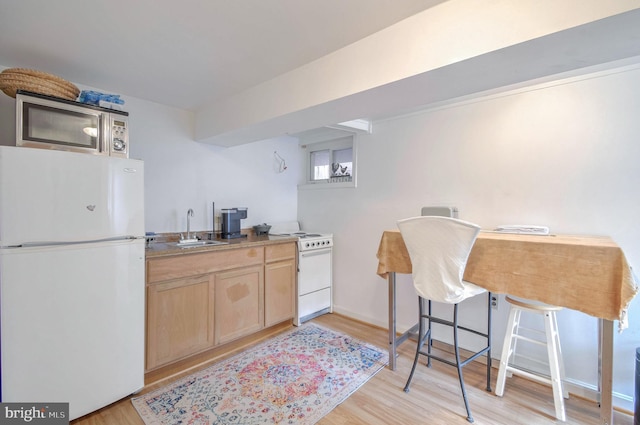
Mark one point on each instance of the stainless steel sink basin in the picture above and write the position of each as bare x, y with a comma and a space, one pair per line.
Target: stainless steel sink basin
193, 244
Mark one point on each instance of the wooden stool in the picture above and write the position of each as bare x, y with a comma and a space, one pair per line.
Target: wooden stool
556, 365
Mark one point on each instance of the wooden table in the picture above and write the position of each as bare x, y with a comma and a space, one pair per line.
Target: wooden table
585, 273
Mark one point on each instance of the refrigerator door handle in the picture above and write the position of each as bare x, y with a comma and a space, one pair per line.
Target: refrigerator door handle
59, 243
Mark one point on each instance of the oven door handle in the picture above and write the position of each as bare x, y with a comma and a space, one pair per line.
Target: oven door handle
315, 252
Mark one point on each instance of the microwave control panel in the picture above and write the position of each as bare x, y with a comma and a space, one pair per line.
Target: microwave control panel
119, 137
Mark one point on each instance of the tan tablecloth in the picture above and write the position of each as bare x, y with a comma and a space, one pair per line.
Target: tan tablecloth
585, 273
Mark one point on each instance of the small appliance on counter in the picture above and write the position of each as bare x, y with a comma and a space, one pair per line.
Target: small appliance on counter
261, 229
231, 222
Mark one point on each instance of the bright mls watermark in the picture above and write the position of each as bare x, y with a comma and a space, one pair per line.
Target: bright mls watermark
34, 413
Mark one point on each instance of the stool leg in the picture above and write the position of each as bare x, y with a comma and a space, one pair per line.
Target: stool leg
554, 365
422, 337
516, 331
506, 351
458, 364
565, 392
489, 312
429, 342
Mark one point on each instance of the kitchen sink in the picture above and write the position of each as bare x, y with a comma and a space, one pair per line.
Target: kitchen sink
193, 244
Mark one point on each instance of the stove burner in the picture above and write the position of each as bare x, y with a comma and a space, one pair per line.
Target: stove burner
299, 234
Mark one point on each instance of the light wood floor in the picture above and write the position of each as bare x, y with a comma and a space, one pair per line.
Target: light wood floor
434, 398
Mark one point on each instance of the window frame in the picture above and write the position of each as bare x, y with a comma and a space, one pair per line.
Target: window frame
343, 141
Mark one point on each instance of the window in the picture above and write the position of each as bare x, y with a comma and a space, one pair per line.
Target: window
320, 161
331, 162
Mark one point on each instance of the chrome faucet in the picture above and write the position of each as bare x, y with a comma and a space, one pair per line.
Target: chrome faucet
189, 215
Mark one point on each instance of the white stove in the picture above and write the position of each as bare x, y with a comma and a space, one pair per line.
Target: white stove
315, 271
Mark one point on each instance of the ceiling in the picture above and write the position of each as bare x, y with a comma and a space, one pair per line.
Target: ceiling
255, 69
185, 53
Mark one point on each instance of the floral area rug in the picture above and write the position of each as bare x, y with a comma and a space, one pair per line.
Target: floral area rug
295, 378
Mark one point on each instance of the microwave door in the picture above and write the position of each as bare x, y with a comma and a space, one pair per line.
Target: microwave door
51, 127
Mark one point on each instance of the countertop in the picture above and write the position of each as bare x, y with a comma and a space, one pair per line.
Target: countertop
161, 249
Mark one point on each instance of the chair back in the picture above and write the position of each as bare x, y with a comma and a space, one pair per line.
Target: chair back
439, 248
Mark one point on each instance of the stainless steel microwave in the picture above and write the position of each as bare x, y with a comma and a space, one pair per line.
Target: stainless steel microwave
51, 123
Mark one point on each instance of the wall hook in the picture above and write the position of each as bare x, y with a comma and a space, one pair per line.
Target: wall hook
282, 165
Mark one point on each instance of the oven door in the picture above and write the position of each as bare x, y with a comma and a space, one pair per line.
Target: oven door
315, 270
314, 284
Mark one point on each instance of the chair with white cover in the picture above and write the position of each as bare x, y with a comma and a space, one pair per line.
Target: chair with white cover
517, 332
439, 248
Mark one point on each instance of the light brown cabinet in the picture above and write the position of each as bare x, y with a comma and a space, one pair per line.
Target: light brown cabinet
197, 301
279, 283
179, 318
239, 303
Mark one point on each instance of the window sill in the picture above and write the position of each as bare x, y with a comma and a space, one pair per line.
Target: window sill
327, 185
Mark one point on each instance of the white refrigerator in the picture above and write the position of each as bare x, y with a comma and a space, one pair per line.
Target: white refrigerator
71, 278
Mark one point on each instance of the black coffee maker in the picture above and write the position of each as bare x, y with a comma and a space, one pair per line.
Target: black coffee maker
231, 222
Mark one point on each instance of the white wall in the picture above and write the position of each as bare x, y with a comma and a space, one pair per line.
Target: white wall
563, 155
7, 119
181, 173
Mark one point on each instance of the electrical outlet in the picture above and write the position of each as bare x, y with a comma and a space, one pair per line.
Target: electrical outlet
494, 301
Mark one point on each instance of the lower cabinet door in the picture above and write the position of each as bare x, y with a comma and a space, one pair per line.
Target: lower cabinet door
180, 316
279, 291
239, 303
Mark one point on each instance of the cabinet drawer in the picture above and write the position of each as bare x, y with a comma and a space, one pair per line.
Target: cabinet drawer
279, 252
167, 268
316, 301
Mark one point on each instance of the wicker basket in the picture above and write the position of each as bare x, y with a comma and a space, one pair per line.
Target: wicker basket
13, 79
